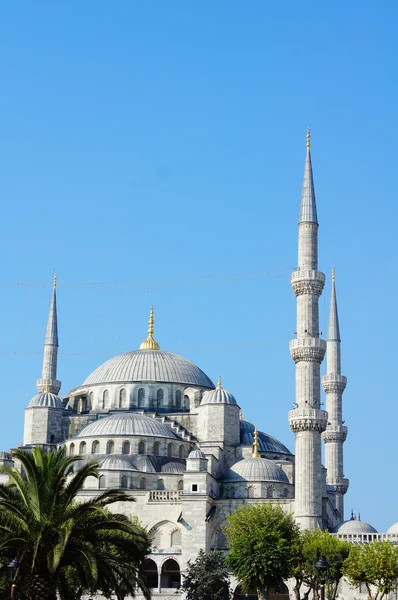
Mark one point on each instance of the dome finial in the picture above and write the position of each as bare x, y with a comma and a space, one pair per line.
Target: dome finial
309, 136
333, 273
255, 453
47, 388
55, 279
219, 386
150, 343
241, 414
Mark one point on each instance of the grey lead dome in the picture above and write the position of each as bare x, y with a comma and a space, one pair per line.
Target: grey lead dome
149, 365
46, 400
256, 469
218, 396
127, 424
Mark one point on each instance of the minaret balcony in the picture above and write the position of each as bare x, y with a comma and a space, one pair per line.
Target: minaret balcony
334, 383
335, 433
53, 385
308, 419
340, 486
305, 281
307, 349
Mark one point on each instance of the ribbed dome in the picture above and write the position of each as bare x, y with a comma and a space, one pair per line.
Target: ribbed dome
149, 365
218, 396
173, 467
393, 528
266, 443
127, 424
196, 454
354, 526
47, 400
256, 469
114, 463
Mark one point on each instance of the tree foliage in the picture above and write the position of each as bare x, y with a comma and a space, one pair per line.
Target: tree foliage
260, 539
67, 547
376, 566
206, 578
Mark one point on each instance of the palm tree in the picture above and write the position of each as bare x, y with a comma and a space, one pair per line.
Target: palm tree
65, 545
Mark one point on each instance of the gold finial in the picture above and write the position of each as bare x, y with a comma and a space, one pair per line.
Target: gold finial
241, 414
150, 343
333, 273
219, 386
47, 388
55, 280
255, 445
309, 136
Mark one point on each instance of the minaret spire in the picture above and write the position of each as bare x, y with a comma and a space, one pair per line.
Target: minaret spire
334, 384
50, 356
307, 420
150, 343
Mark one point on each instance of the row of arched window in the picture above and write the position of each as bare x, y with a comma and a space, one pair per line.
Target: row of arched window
124, 483
126, 448
169, 576
123, 403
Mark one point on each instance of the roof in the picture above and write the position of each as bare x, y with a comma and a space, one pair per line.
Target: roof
46, 400
354, 526
256, 469
393, 528
218, 396
115, 463
149, 365
266, 443
173, 467
127, 424
197, 454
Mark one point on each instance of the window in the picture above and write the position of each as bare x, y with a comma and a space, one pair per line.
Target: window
186, 401
151, 571
170, 576
169, 450
95, 448
160, 484
178, 398
250, 491
285, 492
142, 483
175, 538
156, 537
72, 449
180, 485
194, 487
221, 541
123, 482
270, 491
82, 448
141, 448
126, 448
105, 399
122, 398
101, 482
159, 398
52, 438
110, 447
181, 452
91, 400
141, 397
156, 448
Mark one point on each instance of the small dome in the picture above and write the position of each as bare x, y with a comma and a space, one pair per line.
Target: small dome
47, 400
127, 424
173, 467
115, 463
354, 526
218, 396
266, 443
256, 469
393, 528
196, 454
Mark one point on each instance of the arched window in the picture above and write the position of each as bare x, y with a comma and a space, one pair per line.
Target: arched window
180, 485
181, 452
72, 449
250, 491
175, 538
151, 571
122, 398
155, 535
95, 448
221, 541
126, 448
101, 482
82, 448
171, 576
186, 401
170, 450
142, 483
156, 448
141, 397
110, 447
91, 400
270, 491
80, 406
123, 482
105, 399
178, 398
285, 492
52, 438
160, 484
159, 398
141, 448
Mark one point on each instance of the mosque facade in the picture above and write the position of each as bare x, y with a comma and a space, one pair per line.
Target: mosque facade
164, 432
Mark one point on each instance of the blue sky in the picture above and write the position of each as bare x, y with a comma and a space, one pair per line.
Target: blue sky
158, 148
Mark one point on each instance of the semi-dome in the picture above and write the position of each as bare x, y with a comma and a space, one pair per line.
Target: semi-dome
266, 443
114, 463
46, 400
149, 365
354, 526
218, 396
196, 454
393, 529
173, 467
256, 469
127, 424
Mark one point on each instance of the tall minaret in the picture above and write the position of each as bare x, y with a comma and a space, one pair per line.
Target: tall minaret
49, 372
334, 385
307, 420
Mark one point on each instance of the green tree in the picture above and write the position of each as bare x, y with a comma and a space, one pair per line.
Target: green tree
260, 540
375, 565
66, 546
310, 545
206, 578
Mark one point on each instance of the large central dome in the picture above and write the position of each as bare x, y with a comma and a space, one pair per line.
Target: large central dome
149, 365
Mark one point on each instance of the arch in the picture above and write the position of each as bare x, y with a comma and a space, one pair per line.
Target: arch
141, 448
82, 448
170, 450
142, 483
160, 484
159, 398
175, 538
186, 401
141, 397
123, 482
126, 448
90, 400
95, 447
178, 398
181, 485
156, 448
122, 398
151, 571
72, 449
170, 576
101, 482
270, 491
250, 491
105, 399
181, 451
110, 447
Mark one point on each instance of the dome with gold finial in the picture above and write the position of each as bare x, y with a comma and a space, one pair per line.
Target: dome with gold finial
46, 399
150, 343
218, 396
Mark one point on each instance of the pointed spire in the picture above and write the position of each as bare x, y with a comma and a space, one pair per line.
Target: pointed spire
150, 343
50, 356
308, 204
255, 453
52, 323
334, 329
219, 386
